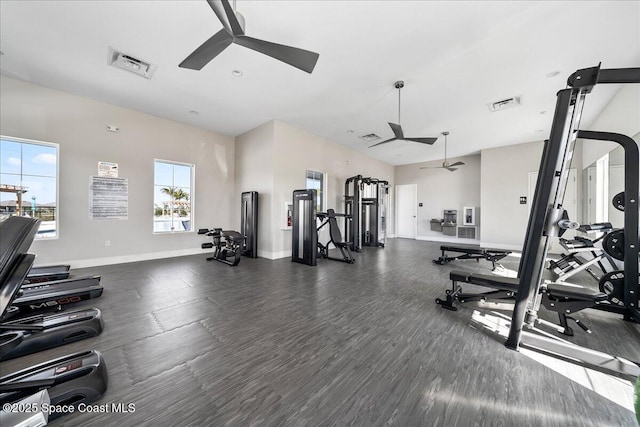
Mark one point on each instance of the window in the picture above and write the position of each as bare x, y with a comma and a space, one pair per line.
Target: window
315, 180
29, 182
172, 196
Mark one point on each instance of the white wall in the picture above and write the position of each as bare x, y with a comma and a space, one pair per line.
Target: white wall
273, 159
505, 177
621, 115
78, 125
254, 172
440, 189
297, 151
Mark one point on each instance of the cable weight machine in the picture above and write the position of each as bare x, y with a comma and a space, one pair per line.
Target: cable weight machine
365, 207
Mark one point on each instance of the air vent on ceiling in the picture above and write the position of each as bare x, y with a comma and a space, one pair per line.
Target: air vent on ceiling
370, 137
514, 101
129, 63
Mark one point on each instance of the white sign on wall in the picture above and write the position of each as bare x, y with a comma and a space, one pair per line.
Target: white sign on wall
108, 198
109, 169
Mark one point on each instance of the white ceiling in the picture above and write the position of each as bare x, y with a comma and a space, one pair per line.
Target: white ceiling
455, 57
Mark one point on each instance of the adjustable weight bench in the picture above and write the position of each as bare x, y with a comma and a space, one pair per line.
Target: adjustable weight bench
471, 252
562, 298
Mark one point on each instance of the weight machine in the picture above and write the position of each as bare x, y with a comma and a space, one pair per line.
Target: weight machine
548, 219
304, 245
227, 245
547, 208
249, 223
365, 205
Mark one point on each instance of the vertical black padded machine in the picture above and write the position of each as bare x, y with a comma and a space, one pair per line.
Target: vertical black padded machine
546, 217
304, 247
365, 207
249, 223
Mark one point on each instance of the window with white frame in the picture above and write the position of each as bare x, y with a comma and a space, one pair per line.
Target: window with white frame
29, 182
172, 196
315, 180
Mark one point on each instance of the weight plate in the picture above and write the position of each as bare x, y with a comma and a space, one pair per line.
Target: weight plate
618, 201
613, 244
612, 284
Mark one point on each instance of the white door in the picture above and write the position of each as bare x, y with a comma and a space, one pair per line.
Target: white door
407, 210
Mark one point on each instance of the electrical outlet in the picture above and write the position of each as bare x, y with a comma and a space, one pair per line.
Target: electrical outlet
107, 242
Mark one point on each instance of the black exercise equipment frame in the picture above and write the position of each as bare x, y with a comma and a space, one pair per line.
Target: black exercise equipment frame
356, 207
304, 237
249, 223
477, 253
543, 219
335, 237
227, 245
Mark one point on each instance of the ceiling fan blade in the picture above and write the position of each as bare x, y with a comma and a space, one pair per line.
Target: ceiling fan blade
451, 169
236, 28
226, 15
299, 58
207, 51
429, 141
383, 142
457, 164
397, 131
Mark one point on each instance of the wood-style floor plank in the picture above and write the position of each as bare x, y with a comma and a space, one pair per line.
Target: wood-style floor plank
275, 343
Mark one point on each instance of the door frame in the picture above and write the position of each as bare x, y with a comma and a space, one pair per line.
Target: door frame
397, 210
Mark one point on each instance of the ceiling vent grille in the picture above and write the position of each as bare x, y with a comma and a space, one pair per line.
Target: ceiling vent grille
370, 137
127, 62
504, 104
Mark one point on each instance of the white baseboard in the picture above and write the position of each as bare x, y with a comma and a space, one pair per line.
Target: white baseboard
272, 255
96, 262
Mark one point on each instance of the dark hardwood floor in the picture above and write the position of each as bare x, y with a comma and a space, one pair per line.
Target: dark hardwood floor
272, 343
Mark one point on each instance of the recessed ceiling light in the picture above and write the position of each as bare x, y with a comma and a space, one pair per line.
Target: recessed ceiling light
543, 112
553, 74
539, 130
194, 112
350, 131
237, 73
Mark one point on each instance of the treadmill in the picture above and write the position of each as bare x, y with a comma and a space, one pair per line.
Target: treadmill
48, 273
37, 297
78, 378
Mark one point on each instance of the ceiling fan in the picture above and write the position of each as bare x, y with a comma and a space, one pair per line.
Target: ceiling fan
445, 164
233, 32
397, 129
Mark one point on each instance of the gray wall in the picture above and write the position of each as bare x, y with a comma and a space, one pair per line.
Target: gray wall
505, 177
254, 172
621, 115
79, 125
275, 157
298, 151
440, 189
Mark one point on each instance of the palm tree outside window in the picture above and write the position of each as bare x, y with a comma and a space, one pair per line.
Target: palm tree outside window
173, 196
